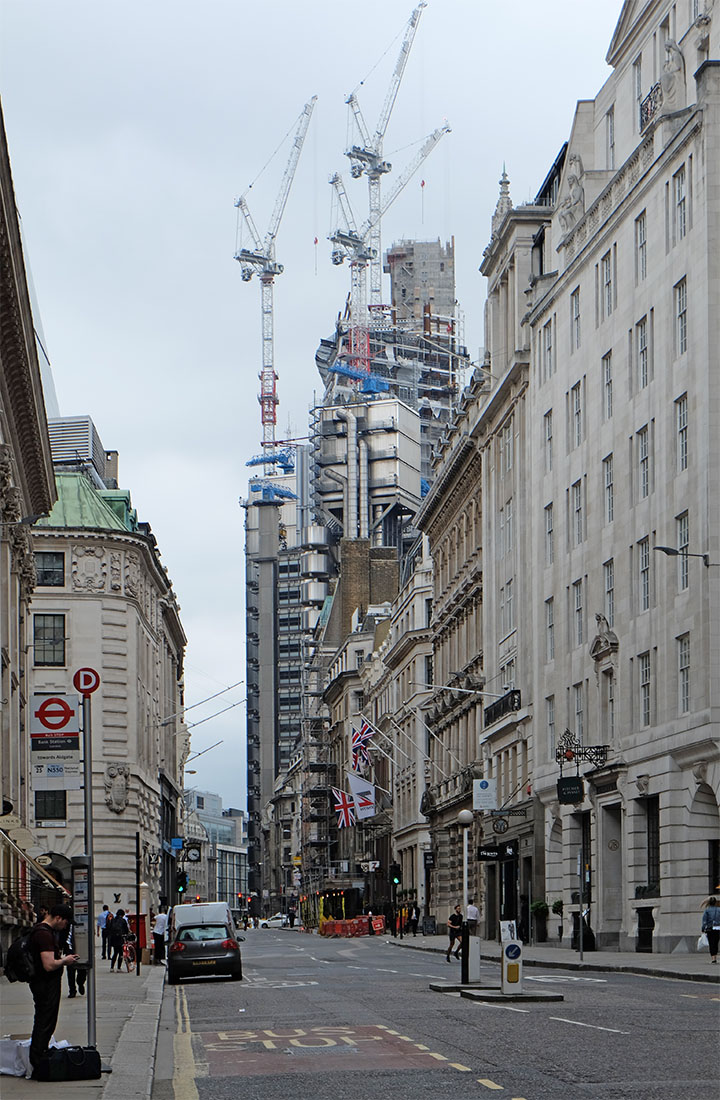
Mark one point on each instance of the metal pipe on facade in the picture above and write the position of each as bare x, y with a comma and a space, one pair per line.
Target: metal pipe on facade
363, 490
351, 523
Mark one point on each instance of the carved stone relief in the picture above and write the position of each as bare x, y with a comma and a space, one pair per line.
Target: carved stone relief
117, 782
115, 572
642, 782
88, 569
133, 575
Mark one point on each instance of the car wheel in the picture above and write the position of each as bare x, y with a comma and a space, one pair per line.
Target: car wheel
264, 925
236, 975
172, 979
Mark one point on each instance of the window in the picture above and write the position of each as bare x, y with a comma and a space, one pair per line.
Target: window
608, 477
50, 805
608, 703
575, 319
506, 448
607, 284
641, 248
550, 723
610, 137
683, 648
644, 680
609, 579
548, 361
548, 424
577, 589
681, 423
507, 611
359, 659
49, 639
637, 86
681, 317
652, 817
577, 414
641, 351
643, 445
607, 385
550, 628
50, 569
549, 536
200, 802
644, 573
682, 535
680, 204
579, 711
577, 506
428, 671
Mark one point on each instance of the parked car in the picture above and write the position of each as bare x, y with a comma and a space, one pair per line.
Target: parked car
197, 948
277, 920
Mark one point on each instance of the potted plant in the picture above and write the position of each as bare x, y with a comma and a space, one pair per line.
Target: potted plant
539, 910
557, 908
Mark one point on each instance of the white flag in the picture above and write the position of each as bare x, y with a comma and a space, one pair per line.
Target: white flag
363, 794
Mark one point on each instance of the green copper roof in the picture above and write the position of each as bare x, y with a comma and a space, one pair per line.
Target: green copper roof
80, 504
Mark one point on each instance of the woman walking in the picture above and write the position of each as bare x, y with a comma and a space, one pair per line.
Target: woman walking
711, 927
117, 931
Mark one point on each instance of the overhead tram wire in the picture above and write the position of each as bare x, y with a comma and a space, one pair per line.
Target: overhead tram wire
184, 710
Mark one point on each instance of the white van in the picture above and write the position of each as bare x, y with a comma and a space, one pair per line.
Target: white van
200, 912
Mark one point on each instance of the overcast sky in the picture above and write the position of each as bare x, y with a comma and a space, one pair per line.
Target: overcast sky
134, 126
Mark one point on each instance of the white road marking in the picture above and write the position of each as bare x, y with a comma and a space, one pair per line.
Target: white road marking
554, 978
595, 1027
384, 970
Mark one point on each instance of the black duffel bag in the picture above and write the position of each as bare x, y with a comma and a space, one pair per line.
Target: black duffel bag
69, 1064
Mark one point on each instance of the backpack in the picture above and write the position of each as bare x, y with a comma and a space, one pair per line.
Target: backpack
20, 965
118, 928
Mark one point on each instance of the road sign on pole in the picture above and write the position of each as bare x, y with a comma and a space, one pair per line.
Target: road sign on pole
86, 685
55, 742
86, 681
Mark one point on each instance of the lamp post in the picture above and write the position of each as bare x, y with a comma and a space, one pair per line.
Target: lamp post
465, 820
674, 552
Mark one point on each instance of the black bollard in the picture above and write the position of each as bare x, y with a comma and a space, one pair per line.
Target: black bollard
465, 954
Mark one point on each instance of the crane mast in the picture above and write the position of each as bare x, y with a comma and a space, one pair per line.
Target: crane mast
260, 260
368, 157
356, 244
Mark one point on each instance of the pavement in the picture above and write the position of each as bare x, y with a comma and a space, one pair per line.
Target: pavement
128, 1009
695, 967
127, 1017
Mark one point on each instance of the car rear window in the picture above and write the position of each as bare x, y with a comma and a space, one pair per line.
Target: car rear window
202, 932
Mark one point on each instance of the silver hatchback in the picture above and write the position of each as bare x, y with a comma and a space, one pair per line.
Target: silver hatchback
204, 949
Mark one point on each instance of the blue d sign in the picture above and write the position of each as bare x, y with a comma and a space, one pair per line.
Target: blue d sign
513, 951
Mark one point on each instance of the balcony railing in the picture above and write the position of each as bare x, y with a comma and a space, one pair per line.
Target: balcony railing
650, 105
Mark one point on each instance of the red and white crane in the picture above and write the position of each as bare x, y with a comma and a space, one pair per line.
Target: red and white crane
260, 260
367, 157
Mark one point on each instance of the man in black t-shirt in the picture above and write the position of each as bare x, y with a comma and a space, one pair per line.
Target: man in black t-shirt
454, 925
46, 986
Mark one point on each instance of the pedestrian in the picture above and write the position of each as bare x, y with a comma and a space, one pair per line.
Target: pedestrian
292, 913
46, 986
159, 929
76, 975
454, 926
472, 916
118, 929
413, 919
101, 922
711, 927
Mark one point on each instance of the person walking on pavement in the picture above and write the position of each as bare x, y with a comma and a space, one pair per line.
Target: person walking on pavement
472, 917
46, 986
454, 926
118, 929
711, 927
102, 919
159, 929
413, 919
76, 975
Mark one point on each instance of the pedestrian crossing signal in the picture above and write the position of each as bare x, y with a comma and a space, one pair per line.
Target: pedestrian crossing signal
395, 874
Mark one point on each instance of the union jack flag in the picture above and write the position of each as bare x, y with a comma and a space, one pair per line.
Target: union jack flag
344, 808
359, 742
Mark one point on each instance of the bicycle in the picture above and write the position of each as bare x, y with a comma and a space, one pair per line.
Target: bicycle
129, 953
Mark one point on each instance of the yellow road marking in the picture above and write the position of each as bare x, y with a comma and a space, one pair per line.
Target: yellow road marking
184, 1087
488, 1083
440, 1057
462, 1068
420, 1046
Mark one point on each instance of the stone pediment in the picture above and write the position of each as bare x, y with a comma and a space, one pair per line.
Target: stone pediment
629, 14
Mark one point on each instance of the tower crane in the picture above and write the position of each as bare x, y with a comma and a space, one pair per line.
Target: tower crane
260, 260
368, 157
357, 246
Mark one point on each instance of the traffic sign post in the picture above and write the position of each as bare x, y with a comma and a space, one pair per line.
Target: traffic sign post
511, 963
86, 681
55, 742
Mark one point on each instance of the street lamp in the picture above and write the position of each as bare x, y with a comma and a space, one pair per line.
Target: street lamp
465, 819
673, 552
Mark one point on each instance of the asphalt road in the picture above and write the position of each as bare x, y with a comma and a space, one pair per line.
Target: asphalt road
356, 1019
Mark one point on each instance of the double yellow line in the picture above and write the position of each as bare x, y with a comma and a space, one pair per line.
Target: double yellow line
184, 1063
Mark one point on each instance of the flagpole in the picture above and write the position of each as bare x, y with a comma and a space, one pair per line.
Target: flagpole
438, 739
422, 752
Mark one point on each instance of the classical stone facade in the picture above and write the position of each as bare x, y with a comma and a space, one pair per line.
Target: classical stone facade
104, 600
27, 488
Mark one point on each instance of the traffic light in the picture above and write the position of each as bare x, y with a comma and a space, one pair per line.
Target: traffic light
395, 874
181, 881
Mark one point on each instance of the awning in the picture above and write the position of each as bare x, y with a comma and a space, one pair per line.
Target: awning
32, 863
